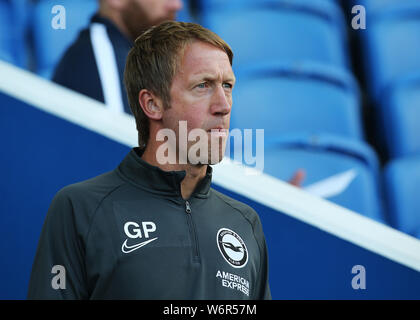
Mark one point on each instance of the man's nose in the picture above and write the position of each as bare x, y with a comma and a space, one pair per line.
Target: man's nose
221, 101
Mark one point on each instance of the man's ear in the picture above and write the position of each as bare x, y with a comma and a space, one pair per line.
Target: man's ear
152, 106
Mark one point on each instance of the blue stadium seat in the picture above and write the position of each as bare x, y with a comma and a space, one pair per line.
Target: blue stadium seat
21, 14
350, 166
6, 35
288, 31
306, 98
185, 13
391, 44
378, 4
51, 43
221, 4
402, 183
13, 25
400, 113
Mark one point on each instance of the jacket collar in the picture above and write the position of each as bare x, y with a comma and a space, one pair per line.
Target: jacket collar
112, 29
153, 179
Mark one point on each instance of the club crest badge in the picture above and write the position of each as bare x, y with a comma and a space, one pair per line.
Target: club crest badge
232, 248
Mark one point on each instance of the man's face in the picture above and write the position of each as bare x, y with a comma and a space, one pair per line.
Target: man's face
140, 15
201, 94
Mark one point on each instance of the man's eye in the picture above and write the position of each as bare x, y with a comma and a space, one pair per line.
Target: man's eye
202, 85
227, 85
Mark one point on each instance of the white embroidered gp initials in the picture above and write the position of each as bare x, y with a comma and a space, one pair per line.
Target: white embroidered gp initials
134, 231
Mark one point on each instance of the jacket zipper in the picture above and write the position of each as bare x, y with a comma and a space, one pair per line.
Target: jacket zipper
191, 226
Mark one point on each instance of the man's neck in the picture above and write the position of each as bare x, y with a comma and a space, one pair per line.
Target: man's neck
194, 173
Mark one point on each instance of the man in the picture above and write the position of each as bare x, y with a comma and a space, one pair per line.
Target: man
94, 64
152, 229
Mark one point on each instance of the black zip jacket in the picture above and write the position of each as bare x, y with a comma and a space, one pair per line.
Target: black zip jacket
128, 234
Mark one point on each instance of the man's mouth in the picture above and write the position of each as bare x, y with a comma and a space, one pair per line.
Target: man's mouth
218, 132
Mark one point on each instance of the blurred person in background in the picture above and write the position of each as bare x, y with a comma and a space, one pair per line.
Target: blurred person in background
94, 64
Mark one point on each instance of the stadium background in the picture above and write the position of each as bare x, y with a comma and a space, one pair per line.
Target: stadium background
337, 101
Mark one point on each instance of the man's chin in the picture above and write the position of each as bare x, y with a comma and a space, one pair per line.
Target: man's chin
205, 161
217, 159
213, 152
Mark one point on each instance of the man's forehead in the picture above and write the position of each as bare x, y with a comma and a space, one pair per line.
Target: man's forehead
200, 52
211, 73
202, 59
